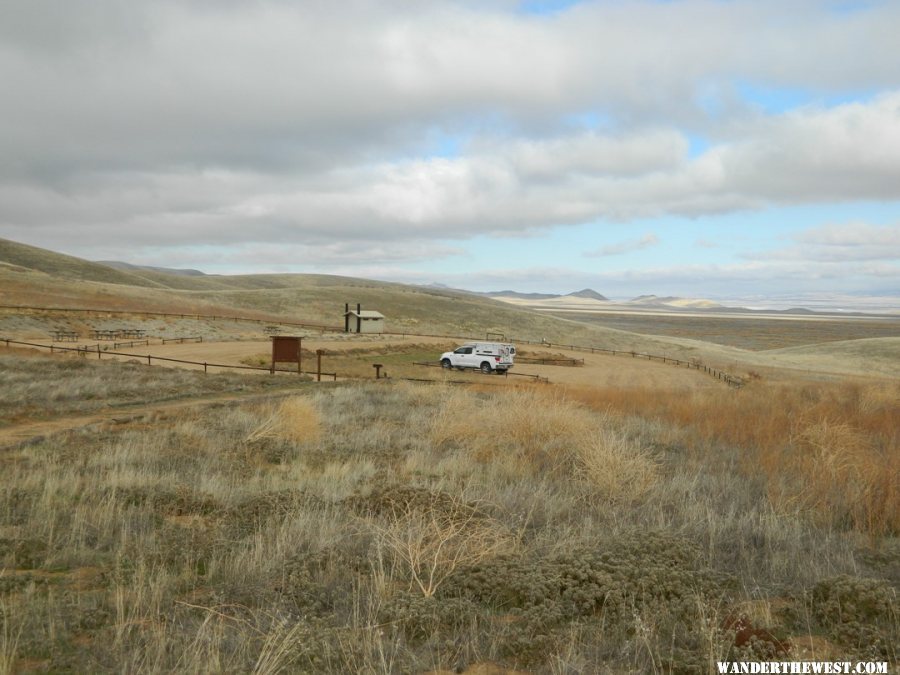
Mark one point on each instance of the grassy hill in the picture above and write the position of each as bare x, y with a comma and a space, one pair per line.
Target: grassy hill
881, 355
65, 266
37, 277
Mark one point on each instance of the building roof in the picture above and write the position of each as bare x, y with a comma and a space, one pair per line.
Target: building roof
365, 314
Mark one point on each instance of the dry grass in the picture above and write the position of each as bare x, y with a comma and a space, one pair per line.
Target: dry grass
535, 431
619, 468
407, 528
294, 419
528, 429
838, 474
37, 387
831, 449
435, 542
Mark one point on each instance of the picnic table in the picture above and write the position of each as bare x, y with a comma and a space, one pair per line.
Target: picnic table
105, 334
65, 335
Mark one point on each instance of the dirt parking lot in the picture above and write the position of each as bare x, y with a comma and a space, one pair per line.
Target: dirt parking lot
355, 357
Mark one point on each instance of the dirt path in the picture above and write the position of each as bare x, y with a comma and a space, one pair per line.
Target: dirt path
22, 434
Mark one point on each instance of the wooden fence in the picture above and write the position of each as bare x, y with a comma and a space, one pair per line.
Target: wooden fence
182, 340
729, 379
100, 351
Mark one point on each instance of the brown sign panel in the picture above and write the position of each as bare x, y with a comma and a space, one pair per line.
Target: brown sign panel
285, 349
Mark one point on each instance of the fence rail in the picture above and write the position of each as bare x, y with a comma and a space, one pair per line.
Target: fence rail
133, 343
182, 340
549, 362
84, 351
729, 379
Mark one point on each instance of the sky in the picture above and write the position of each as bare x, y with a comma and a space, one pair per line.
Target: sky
738, 150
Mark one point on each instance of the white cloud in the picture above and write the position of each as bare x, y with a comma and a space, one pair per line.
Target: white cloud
841, 244
646, 241
810, 156
162, 125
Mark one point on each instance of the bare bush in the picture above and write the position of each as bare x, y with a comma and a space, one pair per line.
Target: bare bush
433, 542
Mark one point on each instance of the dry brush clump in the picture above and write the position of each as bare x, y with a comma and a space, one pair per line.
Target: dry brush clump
830, 449
580, 540
294, 419
836, 473
535, 432
431, 541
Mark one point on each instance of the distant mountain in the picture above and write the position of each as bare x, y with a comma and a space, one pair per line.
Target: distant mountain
673, 302
589, 293
117, 264
523, 296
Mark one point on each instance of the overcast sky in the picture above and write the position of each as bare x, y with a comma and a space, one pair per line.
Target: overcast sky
732, 149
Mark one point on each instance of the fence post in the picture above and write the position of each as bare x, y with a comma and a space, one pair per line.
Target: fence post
204, 366
148, 359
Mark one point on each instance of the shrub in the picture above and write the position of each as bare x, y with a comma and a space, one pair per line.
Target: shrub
859, 613
295, 419
433, 540
617, 467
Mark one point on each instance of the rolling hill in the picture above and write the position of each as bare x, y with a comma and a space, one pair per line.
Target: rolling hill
31, 276
37, 277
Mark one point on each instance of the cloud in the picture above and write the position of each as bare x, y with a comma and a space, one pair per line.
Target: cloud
850, 152
645, 241
161, 124
841, 244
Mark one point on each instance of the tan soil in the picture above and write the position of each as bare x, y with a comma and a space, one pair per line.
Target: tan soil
599, 370
20, 434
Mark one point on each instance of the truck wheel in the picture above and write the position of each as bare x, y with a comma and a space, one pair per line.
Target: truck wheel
486, 368
445, 364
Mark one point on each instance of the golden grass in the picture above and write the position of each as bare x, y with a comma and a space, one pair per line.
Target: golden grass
535, 431
203, 558
831, 449
527, 427
295, 419
618, 467
835, 471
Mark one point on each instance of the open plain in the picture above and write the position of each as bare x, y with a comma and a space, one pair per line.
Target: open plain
618, 513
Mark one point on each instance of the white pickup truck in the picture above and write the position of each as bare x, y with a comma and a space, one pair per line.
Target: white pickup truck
487, 357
